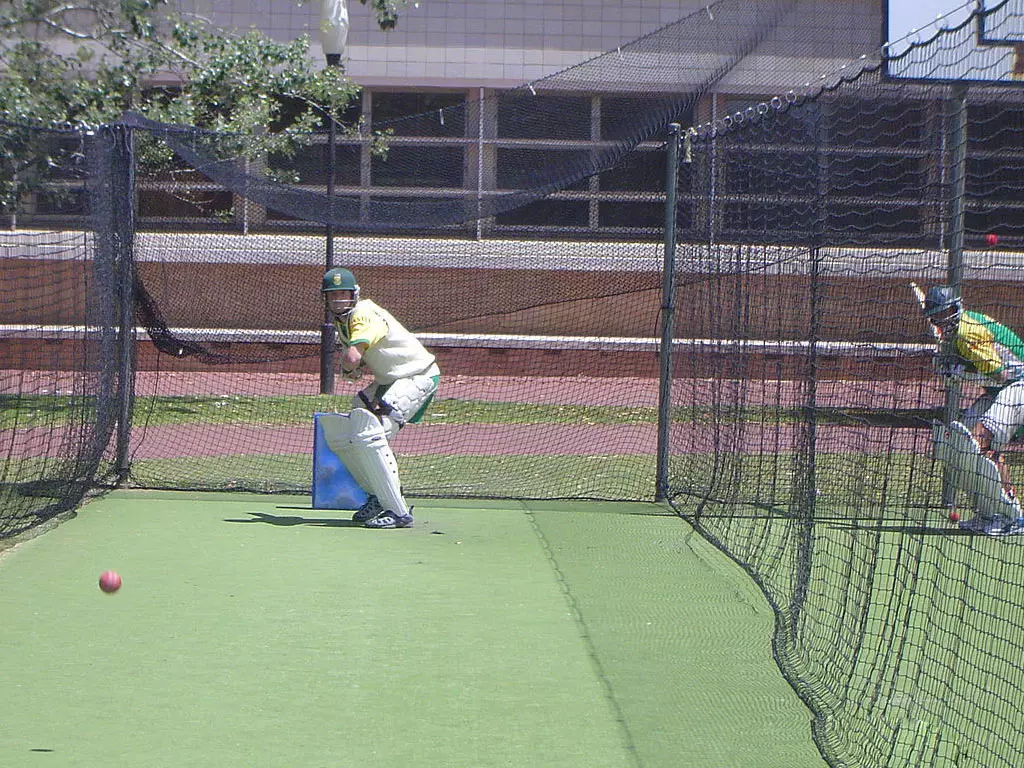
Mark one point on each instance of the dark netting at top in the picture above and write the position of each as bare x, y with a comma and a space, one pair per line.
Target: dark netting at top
660, 77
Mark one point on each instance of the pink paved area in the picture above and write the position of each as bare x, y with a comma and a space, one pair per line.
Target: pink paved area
197, 441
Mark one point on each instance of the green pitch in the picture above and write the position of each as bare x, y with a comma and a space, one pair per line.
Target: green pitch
254, 631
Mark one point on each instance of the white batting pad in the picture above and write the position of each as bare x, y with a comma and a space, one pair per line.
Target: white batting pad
940, 441
407, 396
362, 445
990, 499
964, 458
337, 432
978, 475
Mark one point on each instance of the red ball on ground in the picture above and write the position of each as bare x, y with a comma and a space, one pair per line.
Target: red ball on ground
110, 581
954, 516
991, 239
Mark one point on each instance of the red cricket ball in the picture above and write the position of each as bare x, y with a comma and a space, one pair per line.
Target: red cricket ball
110, 581
991, 239
954, 516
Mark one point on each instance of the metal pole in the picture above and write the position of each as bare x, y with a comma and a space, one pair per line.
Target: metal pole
124, 234
480, 165
327, 337
661, 490
955, 270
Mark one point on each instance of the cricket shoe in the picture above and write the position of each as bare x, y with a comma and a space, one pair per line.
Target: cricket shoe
998, 526
976, 524
370, 509
391, 520
1004, 526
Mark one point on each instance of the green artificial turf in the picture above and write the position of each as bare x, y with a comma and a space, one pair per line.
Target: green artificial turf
255, 631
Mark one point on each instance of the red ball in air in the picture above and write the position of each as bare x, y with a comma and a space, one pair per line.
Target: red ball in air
110, 581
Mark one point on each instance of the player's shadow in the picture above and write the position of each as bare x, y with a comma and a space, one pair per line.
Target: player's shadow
288, 521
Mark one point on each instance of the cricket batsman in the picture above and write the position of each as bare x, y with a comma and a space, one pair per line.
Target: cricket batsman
405, 378
987, 353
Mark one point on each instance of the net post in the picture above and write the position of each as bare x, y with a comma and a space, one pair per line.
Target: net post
122, 182
667, 312
327, 338
957, 131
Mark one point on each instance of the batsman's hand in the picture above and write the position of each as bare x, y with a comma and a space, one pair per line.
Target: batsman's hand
948, 366
354, 375
953, 367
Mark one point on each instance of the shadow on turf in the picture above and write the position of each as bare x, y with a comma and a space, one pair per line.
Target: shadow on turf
293, 520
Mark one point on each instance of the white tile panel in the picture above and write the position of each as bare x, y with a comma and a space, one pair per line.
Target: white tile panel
518, 36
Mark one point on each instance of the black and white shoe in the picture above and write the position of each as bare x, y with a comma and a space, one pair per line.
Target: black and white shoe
998, 526
370, 509
390, 520
1005, 527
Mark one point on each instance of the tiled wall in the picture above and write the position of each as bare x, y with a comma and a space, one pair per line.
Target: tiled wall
505, 43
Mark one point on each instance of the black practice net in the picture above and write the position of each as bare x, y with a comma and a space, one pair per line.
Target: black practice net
65, 376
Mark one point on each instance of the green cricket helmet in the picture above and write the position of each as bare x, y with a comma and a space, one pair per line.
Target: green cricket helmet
340, 279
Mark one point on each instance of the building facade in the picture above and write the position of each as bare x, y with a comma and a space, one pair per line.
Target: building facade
464, 61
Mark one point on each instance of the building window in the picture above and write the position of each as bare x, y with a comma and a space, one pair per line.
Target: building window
544, 116
837, 170
418, 166
547, 213
519, 168
430, 114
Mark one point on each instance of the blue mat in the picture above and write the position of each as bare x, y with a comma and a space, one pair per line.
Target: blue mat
333, 486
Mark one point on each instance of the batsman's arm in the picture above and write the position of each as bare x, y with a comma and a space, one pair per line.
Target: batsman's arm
352, 362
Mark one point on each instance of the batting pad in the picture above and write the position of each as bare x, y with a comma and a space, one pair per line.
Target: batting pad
333, 485
940, 442
359, 441
991, 499
964, 459
978, 475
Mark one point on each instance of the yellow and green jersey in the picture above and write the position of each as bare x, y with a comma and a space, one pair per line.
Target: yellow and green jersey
392, 352
990, 347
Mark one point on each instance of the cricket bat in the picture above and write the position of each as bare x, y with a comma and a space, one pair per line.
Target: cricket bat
919, 295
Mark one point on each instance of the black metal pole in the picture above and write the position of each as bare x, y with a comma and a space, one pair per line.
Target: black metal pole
124, 247
661, 490
955, 272
327, 335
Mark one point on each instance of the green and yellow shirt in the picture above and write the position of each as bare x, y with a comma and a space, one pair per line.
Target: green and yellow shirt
990, 347
392, 352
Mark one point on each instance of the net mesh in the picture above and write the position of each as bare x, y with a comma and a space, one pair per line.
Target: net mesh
808, 400
183, 351
60, 386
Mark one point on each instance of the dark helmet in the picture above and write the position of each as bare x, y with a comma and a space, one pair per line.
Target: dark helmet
940, 298
340, 279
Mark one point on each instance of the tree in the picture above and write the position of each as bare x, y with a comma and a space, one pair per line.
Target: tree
82, 63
